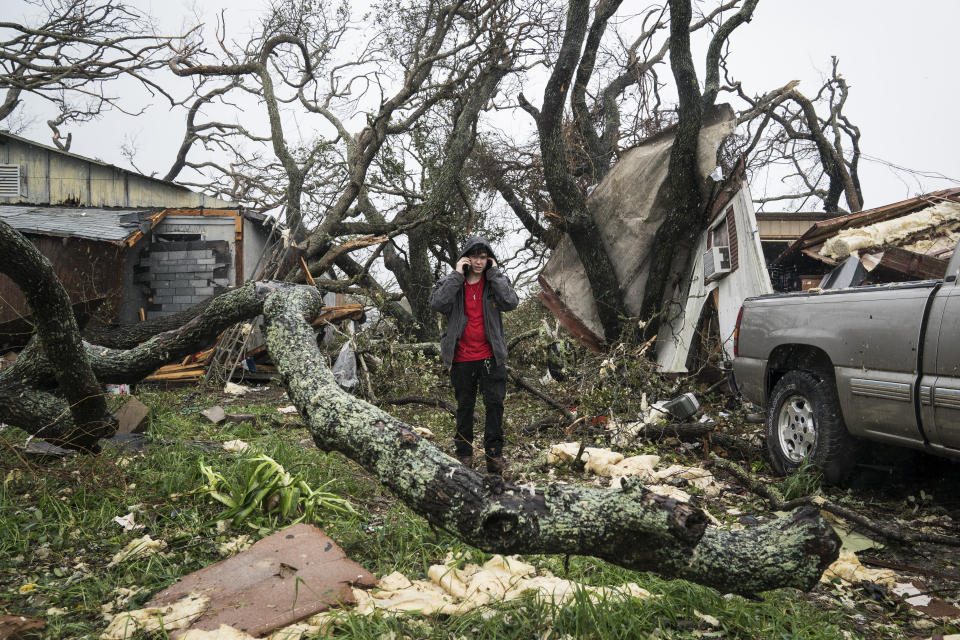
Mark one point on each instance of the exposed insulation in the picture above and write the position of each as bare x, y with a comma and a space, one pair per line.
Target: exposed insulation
452, 590
173, 617
888, 232
848, 568
604, 462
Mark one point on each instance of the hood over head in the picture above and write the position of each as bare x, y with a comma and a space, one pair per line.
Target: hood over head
474, 241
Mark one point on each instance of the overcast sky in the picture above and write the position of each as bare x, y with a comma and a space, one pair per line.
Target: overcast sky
899, 65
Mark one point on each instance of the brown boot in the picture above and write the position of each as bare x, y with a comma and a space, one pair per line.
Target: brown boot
496, 465
466, 461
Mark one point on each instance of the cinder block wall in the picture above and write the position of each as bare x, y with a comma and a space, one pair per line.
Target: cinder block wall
182, 274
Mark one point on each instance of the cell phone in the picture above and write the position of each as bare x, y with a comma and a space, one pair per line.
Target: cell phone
466, 269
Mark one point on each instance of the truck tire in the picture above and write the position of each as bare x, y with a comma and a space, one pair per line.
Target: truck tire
804, 422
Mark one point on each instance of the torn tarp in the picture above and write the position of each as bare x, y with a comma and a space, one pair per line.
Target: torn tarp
628, 214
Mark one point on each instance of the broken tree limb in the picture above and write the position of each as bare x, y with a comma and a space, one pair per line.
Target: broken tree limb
27, 397
132, 365
517, 339
59, 336
629, 526
526, 386
423, 400
771, 495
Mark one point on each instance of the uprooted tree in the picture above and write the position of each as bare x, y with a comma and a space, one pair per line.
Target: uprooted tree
54, 391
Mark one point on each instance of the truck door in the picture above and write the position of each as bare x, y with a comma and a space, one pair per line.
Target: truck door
945, 390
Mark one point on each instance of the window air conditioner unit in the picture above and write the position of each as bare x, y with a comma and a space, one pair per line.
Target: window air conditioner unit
716, 263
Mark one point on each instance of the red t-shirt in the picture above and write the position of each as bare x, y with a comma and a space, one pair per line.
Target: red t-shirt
473, 343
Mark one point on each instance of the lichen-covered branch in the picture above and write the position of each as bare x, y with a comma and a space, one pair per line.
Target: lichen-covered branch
629, 526
60, 337
132, 365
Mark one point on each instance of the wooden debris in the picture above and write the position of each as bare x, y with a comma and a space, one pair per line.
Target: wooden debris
132, 417
216, 414
21, 627
290, 575
338, 313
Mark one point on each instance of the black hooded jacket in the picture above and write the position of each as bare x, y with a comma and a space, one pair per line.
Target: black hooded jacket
447, 298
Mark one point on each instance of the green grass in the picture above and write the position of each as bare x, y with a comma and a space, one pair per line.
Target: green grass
57, 532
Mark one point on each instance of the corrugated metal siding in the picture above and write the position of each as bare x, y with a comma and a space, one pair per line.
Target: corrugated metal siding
53, 177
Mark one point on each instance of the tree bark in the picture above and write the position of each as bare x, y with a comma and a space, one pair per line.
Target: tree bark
629, 526
569, 201
28, 398
677, 236
60, 337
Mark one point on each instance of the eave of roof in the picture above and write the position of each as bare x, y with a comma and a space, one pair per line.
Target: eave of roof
115, 226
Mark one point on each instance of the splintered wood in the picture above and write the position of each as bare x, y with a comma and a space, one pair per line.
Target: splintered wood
194, 366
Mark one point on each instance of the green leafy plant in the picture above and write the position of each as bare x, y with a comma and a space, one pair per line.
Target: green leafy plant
270, 491
806, 481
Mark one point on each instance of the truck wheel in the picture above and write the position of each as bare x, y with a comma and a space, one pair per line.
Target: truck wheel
804, 422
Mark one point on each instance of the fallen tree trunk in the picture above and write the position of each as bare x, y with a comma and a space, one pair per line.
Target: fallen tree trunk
629, 526
59, 337
28, 396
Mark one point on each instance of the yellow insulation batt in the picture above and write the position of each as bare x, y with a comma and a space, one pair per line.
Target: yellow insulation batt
890, 231
452, 590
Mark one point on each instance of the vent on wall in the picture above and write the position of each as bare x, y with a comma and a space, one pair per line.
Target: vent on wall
10, 180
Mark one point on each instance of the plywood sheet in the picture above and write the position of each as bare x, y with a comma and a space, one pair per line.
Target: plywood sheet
290, 575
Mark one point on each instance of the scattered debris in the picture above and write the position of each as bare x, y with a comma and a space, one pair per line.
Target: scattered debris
455, 590
890, 231
287, 410
234, 546
132, 416
190, 369
235, 389
43, 450
604, 462
848, 568
242, 417
127, 522
127, 442
236, 446
423, 432
682, 407
215, 414
118, 389
167, 617
345, 368
137, 549
290, 575
908, 240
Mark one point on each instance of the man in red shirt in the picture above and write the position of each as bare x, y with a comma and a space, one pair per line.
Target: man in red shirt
473, 347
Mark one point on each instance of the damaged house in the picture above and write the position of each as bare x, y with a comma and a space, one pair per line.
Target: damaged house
127, 247
728, 265
908, 240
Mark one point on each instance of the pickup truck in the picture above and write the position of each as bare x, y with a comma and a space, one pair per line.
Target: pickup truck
876, 362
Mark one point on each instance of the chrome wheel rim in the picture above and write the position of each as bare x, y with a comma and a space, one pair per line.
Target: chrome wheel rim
796, 428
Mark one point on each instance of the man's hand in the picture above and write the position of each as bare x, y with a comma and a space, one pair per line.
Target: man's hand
491, 262
463, 265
